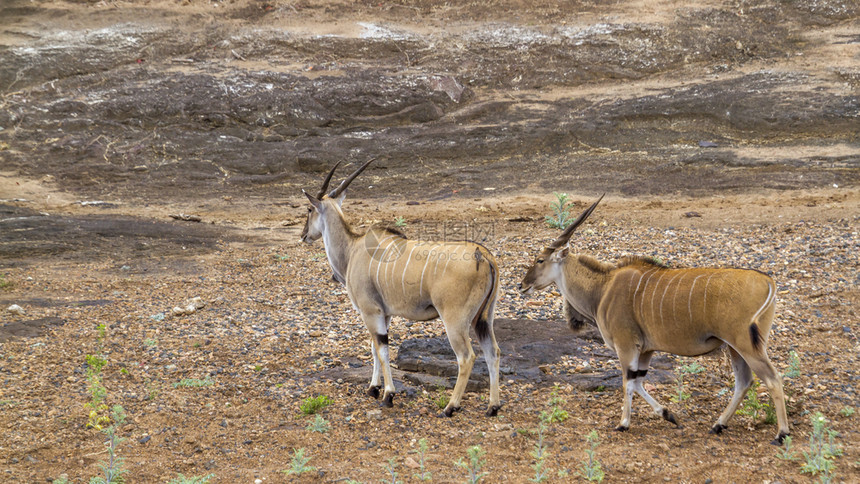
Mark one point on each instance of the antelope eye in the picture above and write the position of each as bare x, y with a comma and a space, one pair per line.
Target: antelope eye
540, 261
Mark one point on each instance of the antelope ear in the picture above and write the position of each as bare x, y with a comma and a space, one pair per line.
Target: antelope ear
316, 203
559, 254
340, 198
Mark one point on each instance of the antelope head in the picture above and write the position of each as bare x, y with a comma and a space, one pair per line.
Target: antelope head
326, 202
548, 265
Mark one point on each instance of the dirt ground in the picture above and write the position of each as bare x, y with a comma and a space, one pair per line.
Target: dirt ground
724, 134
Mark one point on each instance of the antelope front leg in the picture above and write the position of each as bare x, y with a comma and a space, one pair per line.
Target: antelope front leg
629, 361
373, 390
377, 325
644, 363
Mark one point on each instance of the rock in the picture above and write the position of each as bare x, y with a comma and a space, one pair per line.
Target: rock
15, 309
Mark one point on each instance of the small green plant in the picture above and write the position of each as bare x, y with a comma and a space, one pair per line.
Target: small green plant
399, 221
319, 425
4, 284
560, 217
299, 463
181, 479
423, 474
540, 455
391, 467
102, 329
474, 466
441, 399
112, 468
95, 363
97, 416
822, 450
555, 413
846, 411
150, 342
691, 368
751, 405
592, 471
793, 370
786, 452
312, 405
194, 383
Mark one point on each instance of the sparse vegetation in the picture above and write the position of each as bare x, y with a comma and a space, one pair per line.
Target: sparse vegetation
822, 450
423, 474
689, 368
194, 383
846, 411
299, 463
441, 399
555, 413
751, 405
475, 465
113, 466
97, 416
312, 405
560, 217
181, 479
319, 424
391, 467
539, 454
4, 284
592, 470
793, 370
399, 221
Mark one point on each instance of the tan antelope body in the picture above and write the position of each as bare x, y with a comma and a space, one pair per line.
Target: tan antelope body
388, 275
641, 307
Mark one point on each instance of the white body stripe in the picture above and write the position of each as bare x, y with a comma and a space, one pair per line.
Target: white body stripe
657, 286
690, 297
705, 294
643, 290
405, 267
421, 284
663, 297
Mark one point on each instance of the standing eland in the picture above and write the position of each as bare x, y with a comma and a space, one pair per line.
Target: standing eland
641, 306
388, 275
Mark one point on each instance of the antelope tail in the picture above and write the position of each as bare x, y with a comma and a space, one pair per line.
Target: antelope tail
481, 322
755, 333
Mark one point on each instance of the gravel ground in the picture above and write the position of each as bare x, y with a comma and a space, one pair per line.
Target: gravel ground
273, 323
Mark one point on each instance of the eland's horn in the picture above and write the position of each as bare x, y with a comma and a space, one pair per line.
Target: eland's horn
327, 180
340, 188
565, 236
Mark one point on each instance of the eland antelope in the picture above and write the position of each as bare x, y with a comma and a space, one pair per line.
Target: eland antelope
640, 306
388, 275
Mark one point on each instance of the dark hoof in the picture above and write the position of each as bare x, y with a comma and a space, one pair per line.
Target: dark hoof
493, 411
622, 428
449, 411
779, 439
388, 400
667, 415
718, 429
374, 392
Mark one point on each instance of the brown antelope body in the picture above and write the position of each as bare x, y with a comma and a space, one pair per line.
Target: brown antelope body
388, 275
641, 306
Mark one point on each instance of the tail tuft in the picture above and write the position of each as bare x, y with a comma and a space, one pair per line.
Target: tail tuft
755, 337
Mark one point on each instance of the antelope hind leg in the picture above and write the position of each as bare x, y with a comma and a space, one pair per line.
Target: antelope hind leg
492, 355
743, 379
768, 374
460, 342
